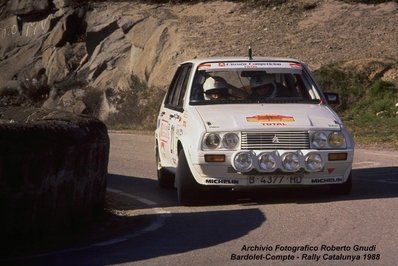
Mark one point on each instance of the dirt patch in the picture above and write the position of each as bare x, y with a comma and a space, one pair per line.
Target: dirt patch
374, 68
318, 32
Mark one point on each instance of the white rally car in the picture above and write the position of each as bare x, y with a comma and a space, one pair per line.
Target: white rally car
249, 122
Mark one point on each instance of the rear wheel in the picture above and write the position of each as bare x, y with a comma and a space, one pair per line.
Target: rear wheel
342, 189
165, 178
187, 187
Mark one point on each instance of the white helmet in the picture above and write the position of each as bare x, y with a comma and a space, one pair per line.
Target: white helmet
258, 81
215, 85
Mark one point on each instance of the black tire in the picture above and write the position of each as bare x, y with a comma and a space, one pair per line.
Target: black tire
342, 189
165, 178
187, 187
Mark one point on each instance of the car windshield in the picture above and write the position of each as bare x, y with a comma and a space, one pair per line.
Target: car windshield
252, 82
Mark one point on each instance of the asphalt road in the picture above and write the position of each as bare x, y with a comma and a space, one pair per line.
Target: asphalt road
277, 227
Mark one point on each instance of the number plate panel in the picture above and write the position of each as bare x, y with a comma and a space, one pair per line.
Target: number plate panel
275, 179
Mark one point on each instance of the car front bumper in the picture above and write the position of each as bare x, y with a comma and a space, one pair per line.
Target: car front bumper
223, 174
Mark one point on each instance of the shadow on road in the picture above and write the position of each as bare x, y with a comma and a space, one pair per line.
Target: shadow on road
183, 232
368, 183
190, 231
194, 228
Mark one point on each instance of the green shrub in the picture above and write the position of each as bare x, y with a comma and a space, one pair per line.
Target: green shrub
137, 108
266, 3
349, 85
382, 88
368, 106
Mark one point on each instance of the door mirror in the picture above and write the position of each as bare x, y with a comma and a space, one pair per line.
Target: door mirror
332, 98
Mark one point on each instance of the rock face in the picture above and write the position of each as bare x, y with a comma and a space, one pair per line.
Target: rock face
53, 169
53, 50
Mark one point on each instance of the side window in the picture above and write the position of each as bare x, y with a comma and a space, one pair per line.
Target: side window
178, 87
173, 86
184, 86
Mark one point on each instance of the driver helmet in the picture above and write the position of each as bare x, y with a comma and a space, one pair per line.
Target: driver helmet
215, 88
259, 82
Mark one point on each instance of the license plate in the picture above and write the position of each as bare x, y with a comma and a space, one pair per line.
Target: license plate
275, 180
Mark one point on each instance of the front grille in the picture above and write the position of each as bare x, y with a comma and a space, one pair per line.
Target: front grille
291, 140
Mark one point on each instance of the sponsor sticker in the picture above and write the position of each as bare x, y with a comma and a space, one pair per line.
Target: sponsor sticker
274, 124
270, 119
222, 181
326, 180
204, 66
296, 65
235, 65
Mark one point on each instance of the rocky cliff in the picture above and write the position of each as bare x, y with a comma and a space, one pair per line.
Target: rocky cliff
84, 56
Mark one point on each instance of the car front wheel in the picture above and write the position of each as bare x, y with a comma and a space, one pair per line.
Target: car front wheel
187, 187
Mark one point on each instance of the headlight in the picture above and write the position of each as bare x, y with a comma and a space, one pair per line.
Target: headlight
314, 161
337, 140
212, 141
230, 141
267, 161
291, 161
221, 140
328, 140
319, 140
243, 161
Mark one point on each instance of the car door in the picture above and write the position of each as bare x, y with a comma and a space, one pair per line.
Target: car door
171, 115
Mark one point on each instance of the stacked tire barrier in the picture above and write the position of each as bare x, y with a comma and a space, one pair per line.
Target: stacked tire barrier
53, 170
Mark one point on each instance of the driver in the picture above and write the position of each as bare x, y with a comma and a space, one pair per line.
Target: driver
215, 88
263, 87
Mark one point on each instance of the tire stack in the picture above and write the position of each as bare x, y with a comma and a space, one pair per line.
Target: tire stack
53, 169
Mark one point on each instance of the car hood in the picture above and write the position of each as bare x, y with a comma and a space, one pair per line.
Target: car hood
237, 117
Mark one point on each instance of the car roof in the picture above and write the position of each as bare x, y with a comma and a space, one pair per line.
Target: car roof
241, 59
